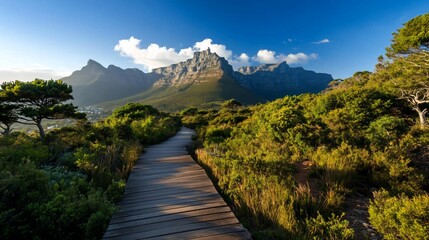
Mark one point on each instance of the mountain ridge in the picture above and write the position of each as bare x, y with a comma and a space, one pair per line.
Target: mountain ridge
202, 80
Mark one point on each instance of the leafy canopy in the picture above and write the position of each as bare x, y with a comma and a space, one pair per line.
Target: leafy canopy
40, 99
412, 36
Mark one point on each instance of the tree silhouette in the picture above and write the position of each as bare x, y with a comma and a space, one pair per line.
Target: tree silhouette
40, 99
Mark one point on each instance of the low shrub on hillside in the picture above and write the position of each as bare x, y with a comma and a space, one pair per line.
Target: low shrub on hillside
400, 217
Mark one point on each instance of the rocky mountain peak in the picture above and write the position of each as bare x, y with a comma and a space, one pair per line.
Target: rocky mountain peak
204, 66
114, 68
93, 65
276, 67
276, 80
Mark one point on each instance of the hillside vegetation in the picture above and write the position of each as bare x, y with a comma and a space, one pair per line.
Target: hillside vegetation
65, 185
365, 136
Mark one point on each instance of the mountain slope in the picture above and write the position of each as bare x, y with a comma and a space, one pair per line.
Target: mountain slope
94, 84
277, 80
205, 79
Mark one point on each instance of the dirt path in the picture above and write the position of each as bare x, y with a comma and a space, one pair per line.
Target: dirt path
302, 178
356, 209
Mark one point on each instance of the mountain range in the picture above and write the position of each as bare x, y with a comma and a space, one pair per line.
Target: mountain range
204, 80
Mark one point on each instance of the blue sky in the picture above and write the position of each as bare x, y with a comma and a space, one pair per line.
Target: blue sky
51, 38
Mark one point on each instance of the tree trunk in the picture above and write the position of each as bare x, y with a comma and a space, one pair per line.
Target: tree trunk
7, 129
41, 130
422, 117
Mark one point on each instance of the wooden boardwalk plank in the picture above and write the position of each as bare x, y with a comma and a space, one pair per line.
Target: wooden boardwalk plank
171, 217
207, 232
165, 227
180, 210
166, 208
168, 196
174, 229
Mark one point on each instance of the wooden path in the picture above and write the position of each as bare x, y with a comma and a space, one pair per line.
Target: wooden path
169, 196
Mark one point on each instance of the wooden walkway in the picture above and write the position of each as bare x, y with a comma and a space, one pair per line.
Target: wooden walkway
169, 196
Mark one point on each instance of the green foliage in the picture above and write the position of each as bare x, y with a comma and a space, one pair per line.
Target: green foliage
359, 135
135, 111
19, 188
232, 103
40, 99
191, 111
333, 228
217, 135
75, 210
115, 190
385, 130
8, 114
393, 171
66, 186
400, 217
342, 165
412, 36
17, 149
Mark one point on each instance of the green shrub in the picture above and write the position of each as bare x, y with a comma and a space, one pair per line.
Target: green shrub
392, 170
18, 148
135, 111
334, 228
75, 211
384, 130
217, 135
400, 217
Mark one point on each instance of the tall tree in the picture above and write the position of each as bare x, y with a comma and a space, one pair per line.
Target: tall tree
416, 91
412, 37
41, 99
410, 68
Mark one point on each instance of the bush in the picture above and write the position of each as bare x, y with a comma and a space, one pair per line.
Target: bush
334, 228
400, 217
135, 111
18, 149
384, 130
75, 211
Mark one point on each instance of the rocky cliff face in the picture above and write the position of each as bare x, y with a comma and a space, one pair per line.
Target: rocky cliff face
204, 66
265, 68
277, 80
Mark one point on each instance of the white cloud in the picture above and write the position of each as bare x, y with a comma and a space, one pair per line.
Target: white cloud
240, 61
217, 48
325, 40
31, 73
267, 56
244, 58
155, 56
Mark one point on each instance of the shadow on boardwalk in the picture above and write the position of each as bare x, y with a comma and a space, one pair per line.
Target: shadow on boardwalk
169, 196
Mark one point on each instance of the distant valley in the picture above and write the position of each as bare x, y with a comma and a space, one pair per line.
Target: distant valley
205, 80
